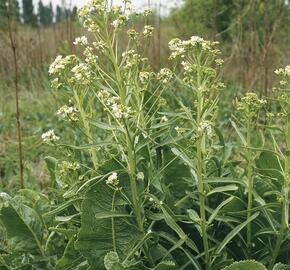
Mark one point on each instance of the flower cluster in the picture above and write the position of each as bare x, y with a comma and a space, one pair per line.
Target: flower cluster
68, 112
120, 21
66, 166
90, 57
179, 47
100, 46
148, 31
49, 136
179, 130
283, 71
132, 58
60, 63
113, 179
113, 104
83, 41
55, 83
132, 34
147, 12
146, 76
284, 74
249, 106
90, 12
164, 119
82, 73
164, 75
205, 126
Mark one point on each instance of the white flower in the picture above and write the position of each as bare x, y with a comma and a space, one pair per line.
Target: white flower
196, 39
164, 75
179, 130
113, 179
147, 12
68, 112
82, 73
66, 166
145, 76
120, 111
57, 65
164, 119
122, 19
283, 71
148, 30
100, 45
140, 176
60, 64
205, 126
81, 41
187, 66
91, 58
49, 136
219, 62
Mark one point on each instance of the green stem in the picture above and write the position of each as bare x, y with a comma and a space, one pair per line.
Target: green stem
87, 129
133, 184
284, 222
200, 163
136, 205
113, 223
250, 187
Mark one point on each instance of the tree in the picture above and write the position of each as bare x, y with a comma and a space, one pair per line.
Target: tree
59, 14
13, 9
74, 13
45, 14
28, 13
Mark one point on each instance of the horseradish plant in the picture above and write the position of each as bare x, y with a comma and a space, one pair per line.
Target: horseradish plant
142, 176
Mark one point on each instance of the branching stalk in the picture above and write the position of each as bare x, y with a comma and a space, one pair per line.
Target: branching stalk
250, 186
200, 172
284, 222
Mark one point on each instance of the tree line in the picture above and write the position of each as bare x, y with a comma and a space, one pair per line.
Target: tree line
40, 15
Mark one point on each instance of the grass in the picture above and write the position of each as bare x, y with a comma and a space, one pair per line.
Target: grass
36, 102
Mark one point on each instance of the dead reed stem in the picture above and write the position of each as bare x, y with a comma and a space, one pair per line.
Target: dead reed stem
13, 47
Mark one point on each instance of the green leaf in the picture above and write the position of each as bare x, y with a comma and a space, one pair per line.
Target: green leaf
223, 189
23, 225
183, 157
269, 165
102, 234
105, 126
166, 265
70, 258
239, 132
112, 261
234, 232
216, 211
246, 265
51, 164
281, 266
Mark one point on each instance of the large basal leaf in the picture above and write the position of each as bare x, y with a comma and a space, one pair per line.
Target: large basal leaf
246, 265
71, 257
269, 165
100, 231
23, 225
112, 262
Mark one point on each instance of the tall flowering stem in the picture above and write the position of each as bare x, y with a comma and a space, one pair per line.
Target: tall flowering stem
248, 108
284, 98
200, 64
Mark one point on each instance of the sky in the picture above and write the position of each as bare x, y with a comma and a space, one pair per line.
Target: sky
167, 4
